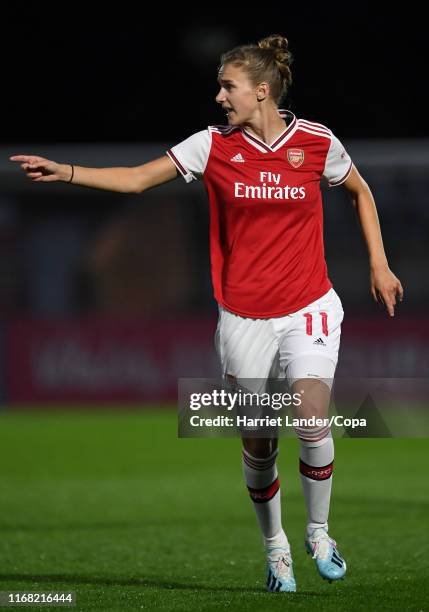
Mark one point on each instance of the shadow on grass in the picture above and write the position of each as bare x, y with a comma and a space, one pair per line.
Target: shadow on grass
143, 582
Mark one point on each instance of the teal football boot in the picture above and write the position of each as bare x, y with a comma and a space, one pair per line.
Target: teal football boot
330, 564
280, 577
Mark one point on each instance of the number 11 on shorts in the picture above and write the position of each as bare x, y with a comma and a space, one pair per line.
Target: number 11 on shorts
309, 323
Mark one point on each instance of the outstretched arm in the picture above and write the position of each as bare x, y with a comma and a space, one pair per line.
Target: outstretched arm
124, 180
385, 287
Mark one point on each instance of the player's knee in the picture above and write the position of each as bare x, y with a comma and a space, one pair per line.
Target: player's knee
314, 397
260, 447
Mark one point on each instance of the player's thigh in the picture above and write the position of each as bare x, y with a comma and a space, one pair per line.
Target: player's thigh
309, 348
247, 348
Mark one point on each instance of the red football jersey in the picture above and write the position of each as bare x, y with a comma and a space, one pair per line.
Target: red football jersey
266, 218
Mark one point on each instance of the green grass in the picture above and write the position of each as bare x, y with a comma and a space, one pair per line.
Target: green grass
114, 507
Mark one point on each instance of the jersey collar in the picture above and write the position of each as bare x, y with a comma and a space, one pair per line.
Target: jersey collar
262, 146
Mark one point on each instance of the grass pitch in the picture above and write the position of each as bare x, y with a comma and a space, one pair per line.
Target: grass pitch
116, 508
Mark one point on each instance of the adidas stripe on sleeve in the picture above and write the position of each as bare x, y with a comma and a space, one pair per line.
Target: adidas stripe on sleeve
338, 164
191, 155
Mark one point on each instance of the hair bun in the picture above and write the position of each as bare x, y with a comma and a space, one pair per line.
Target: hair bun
279, 45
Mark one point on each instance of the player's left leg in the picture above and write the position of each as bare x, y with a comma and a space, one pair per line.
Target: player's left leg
316, 467
309, 351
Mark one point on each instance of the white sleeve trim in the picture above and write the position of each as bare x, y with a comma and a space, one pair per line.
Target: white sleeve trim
191, 155
338, 164
188, 176
344, 178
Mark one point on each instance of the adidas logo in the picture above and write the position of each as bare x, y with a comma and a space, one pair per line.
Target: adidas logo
336, 558
237, 158
319, 342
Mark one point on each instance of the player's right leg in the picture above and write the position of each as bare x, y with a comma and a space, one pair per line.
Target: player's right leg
261, 477
247, 349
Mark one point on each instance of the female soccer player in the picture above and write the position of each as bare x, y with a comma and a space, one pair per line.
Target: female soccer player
278, 311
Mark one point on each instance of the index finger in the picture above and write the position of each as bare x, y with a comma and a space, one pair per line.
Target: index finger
389, 304
21, 157
31, 159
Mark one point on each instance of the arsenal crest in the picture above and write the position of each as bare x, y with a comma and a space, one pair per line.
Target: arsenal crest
295, 157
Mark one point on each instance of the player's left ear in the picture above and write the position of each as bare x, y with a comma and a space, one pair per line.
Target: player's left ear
262, 91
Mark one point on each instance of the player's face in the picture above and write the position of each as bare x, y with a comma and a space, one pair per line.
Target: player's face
237, 94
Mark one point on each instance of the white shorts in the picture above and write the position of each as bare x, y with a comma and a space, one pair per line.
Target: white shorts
303, 344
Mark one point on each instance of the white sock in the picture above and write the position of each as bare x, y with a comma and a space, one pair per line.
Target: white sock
263, 484
278, 541
316, 465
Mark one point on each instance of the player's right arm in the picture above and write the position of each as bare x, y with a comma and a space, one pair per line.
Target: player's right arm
122, 179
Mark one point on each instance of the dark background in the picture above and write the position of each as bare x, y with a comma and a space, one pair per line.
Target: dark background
146, 73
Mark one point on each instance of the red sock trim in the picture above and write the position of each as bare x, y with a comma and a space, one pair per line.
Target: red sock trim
261, 496
316, 473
